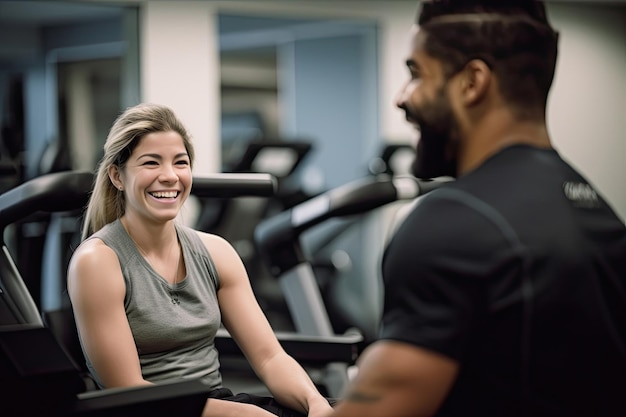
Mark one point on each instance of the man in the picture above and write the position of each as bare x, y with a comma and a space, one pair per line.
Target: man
505, 290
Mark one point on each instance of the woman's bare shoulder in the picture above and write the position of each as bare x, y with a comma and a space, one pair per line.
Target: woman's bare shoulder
214, 242
92, 247
224, 255
93, 255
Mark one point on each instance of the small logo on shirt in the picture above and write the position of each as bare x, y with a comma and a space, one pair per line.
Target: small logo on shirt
581, 194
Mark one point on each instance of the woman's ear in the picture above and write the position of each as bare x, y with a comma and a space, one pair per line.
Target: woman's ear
476, 81
115, 177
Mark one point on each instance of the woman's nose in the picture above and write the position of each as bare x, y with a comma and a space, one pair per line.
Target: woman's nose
168, 173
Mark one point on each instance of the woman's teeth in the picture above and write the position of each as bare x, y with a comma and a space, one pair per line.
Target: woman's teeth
165, 194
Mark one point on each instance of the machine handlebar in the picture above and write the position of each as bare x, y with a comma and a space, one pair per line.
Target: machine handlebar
277, 236
70, 190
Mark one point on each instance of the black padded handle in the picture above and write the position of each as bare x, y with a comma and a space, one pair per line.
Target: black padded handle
228, 185
277, 236
356, 197
69, 190
60, 191
306, 349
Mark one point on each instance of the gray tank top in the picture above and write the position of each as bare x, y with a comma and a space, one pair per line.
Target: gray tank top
174, 339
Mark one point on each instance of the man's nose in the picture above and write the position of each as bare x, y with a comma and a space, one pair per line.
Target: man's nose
401, 97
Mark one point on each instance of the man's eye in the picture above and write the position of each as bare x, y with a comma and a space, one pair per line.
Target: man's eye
413, 71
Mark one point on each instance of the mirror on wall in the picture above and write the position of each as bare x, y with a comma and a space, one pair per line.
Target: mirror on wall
249, 100
59, 72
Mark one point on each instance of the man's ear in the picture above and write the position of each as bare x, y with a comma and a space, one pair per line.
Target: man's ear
477, 77
115, 177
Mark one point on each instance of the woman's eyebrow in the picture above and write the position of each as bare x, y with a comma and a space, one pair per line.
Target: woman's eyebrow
158, 156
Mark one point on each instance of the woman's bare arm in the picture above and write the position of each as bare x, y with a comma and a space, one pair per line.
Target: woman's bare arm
96, 288
285, 378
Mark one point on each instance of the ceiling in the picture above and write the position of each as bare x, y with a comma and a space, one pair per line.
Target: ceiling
36, 13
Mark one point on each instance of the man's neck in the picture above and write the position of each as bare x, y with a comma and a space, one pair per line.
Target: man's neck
497, 131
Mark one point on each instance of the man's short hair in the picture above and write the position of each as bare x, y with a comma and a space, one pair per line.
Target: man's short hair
513, 37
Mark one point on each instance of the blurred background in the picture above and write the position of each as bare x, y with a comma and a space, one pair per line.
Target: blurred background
320, 72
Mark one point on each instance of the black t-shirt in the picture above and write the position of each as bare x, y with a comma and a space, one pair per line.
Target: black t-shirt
517, 270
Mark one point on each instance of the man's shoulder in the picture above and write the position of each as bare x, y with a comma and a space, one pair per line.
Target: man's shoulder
451, 215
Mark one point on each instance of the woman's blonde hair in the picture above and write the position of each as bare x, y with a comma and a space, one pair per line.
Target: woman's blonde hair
106, 202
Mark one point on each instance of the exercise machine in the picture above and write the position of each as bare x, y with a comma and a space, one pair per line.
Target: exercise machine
37, 375
235, 217
35, 352
279, 242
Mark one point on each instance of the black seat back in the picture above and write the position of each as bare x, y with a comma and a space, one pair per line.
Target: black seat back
63, 326
33, 364
56, 192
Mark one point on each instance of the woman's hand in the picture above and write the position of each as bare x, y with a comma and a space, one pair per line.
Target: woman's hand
319, 408
222, 408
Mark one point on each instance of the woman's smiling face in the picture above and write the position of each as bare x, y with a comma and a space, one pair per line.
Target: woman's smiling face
157, 177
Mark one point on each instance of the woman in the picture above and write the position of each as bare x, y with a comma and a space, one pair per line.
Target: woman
149, 294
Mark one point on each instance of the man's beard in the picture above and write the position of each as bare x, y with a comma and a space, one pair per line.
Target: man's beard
435, 156
436, 148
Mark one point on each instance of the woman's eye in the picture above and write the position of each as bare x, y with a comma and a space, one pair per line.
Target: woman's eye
182, 162
150, 163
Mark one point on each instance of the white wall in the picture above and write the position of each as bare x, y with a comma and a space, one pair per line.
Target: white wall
587, 107
180, 68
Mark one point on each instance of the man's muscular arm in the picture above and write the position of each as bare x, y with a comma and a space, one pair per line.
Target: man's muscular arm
398, 379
